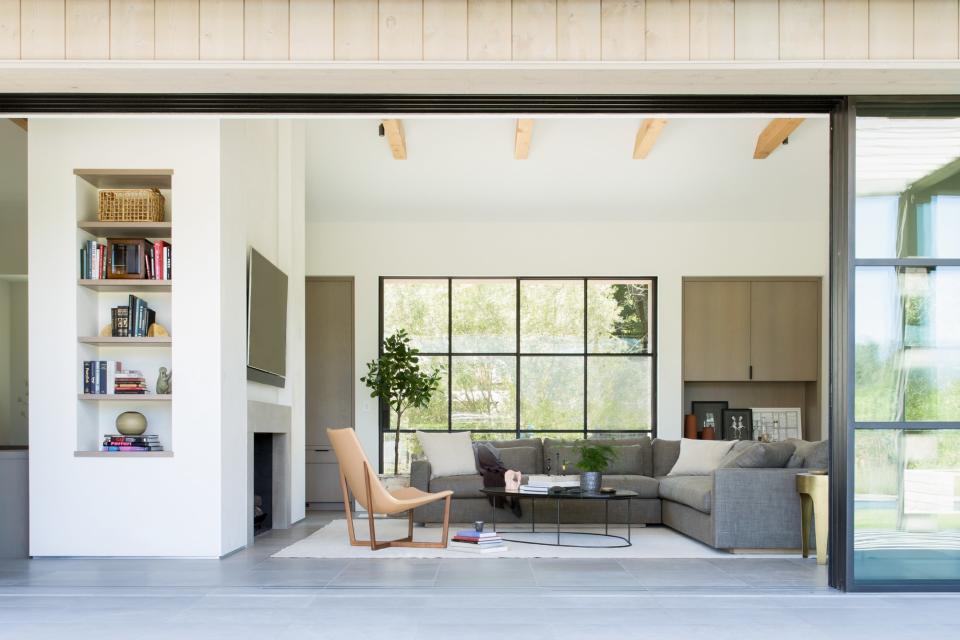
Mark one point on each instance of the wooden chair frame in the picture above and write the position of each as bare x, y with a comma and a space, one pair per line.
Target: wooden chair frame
401, 542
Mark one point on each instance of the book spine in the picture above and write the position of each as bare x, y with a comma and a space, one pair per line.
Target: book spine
157, 258
102, 376
169, 261
131, 309
86, 376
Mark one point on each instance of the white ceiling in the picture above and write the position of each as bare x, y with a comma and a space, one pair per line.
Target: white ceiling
462, 169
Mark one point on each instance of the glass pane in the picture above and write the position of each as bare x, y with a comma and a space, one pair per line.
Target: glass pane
484, 392
409, 450
907, 505
551, 316
907, 344
618, 316
484, 316
434, 415
619, 393
420, 307
907, 183
551, 393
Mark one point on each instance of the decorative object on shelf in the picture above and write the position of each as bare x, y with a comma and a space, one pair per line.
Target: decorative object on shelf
512, 480
157, 331
690, 426
709, 431
136, 443
164, 382
594, 460
397, 379
700, 408
478, 526
777, 424
131, 423
130, 205
127, 259
107, 331
737, 424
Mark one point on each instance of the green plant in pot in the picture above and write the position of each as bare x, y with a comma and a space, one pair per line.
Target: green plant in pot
594, 460
397, 379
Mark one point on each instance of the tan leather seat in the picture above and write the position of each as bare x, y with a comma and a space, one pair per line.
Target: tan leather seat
357, 477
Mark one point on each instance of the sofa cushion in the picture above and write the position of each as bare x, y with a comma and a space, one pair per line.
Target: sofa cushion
462, 486
450, 454
695, 492
665, 454
522, 459
809, 455
645, 486
632, 456
700, 457
759, 455
523, 442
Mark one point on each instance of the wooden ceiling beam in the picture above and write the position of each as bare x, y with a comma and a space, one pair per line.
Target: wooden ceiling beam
647, 136
393, 130
20, 122
521, 143
774, 135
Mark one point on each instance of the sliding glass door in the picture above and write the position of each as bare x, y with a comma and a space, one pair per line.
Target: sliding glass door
905, 434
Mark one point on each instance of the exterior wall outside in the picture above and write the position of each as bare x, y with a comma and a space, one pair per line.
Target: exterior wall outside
480, 31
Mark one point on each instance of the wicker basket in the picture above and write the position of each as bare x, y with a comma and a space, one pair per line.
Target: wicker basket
130, 205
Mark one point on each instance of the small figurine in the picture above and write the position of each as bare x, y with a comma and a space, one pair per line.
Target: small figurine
511, 481
164, 382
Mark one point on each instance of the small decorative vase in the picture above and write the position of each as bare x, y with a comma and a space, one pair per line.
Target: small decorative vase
709, 433
590, 481
131, 423
690, 427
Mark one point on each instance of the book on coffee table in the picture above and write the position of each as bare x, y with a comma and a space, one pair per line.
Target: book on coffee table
564, 482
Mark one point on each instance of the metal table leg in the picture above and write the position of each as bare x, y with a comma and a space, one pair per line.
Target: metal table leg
493, 512
558, 521
629, 520
533, 515
606, 517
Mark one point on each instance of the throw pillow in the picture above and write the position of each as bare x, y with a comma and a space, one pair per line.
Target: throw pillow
487, 447
739, 446
700, 457
759, 455
449, 454
522, 459
810, 455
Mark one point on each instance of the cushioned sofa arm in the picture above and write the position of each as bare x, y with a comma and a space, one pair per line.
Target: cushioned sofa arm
756, 508
420, 475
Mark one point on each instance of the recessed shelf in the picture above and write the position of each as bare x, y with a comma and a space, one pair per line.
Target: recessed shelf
111, 341
123, 454
126, 397
127, 178
128, 229
158, 286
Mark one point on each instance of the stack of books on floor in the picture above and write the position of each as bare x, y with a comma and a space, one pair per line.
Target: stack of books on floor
115, 442
470, 541
541, 485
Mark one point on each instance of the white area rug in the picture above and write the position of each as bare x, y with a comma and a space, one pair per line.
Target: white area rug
648, 542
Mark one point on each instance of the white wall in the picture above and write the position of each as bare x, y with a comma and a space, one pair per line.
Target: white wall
460, 206
262, 196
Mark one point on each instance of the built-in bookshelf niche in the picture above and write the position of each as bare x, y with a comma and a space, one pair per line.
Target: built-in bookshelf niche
97, 297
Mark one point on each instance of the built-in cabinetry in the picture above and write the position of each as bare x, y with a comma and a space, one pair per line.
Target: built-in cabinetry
755, 342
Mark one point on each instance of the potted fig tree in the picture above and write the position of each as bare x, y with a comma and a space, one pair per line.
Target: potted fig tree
397, 379
594, 460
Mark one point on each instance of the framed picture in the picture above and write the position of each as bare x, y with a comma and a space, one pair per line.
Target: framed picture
704, 408
777, 423
737, 424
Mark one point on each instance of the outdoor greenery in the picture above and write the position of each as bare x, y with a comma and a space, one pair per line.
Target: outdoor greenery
594, 457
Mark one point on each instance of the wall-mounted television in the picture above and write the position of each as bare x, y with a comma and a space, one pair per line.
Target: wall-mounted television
266, 321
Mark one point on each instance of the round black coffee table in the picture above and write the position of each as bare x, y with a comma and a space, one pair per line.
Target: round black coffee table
564, 496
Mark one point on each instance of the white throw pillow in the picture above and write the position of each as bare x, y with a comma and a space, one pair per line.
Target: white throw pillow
449, 454
700, 457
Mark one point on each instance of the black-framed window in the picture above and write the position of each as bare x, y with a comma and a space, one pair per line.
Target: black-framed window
563, 357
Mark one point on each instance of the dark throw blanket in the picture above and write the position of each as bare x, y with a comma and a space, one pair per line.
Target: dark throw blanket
492, 469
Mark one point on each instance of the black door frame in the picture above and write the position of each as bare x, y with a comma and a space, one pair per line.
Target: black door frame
842, 113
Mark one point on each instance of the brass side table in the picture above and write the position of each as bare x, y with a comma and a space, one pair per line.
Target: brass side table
814, 490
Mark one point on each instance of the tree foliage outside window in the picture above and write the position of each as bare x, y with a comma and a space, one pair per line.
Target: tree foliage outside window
564, 357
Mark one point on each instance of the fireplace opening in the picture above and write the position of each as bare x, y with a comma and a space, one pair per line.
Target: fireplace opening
262, 482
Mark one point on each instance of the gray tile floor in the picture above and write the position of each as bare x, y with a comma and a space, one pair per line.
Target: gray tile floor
251, 595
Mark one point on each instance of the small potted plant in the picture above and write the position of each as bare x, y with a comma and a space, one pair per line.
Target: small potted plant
397, 379
594, 460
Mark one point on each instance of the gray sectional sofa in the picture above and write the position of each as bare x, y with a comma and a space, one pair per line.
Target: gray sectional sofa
733, 508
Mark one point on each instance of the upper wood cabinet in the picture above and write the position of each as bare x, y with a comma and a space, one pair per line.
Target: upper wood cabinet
741, 330
785, 330
716, 330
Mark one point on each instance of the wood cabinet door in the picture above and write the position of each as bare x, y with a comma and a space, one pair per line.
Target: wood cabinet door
329, 358
716, 330
785, 330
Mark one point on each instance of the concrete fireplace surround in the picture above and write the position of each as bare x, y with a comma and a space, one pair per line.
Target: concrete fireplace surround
265, 417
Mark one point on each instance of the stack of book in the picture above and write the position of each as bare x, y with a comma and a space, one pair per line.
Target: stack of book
470, 541
129, 382
160, 265
145, 442
93, 261
133, 320
541, 485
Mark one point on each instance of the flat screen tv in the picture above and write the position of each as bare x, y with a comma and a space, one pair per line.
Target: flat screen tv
266, 321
